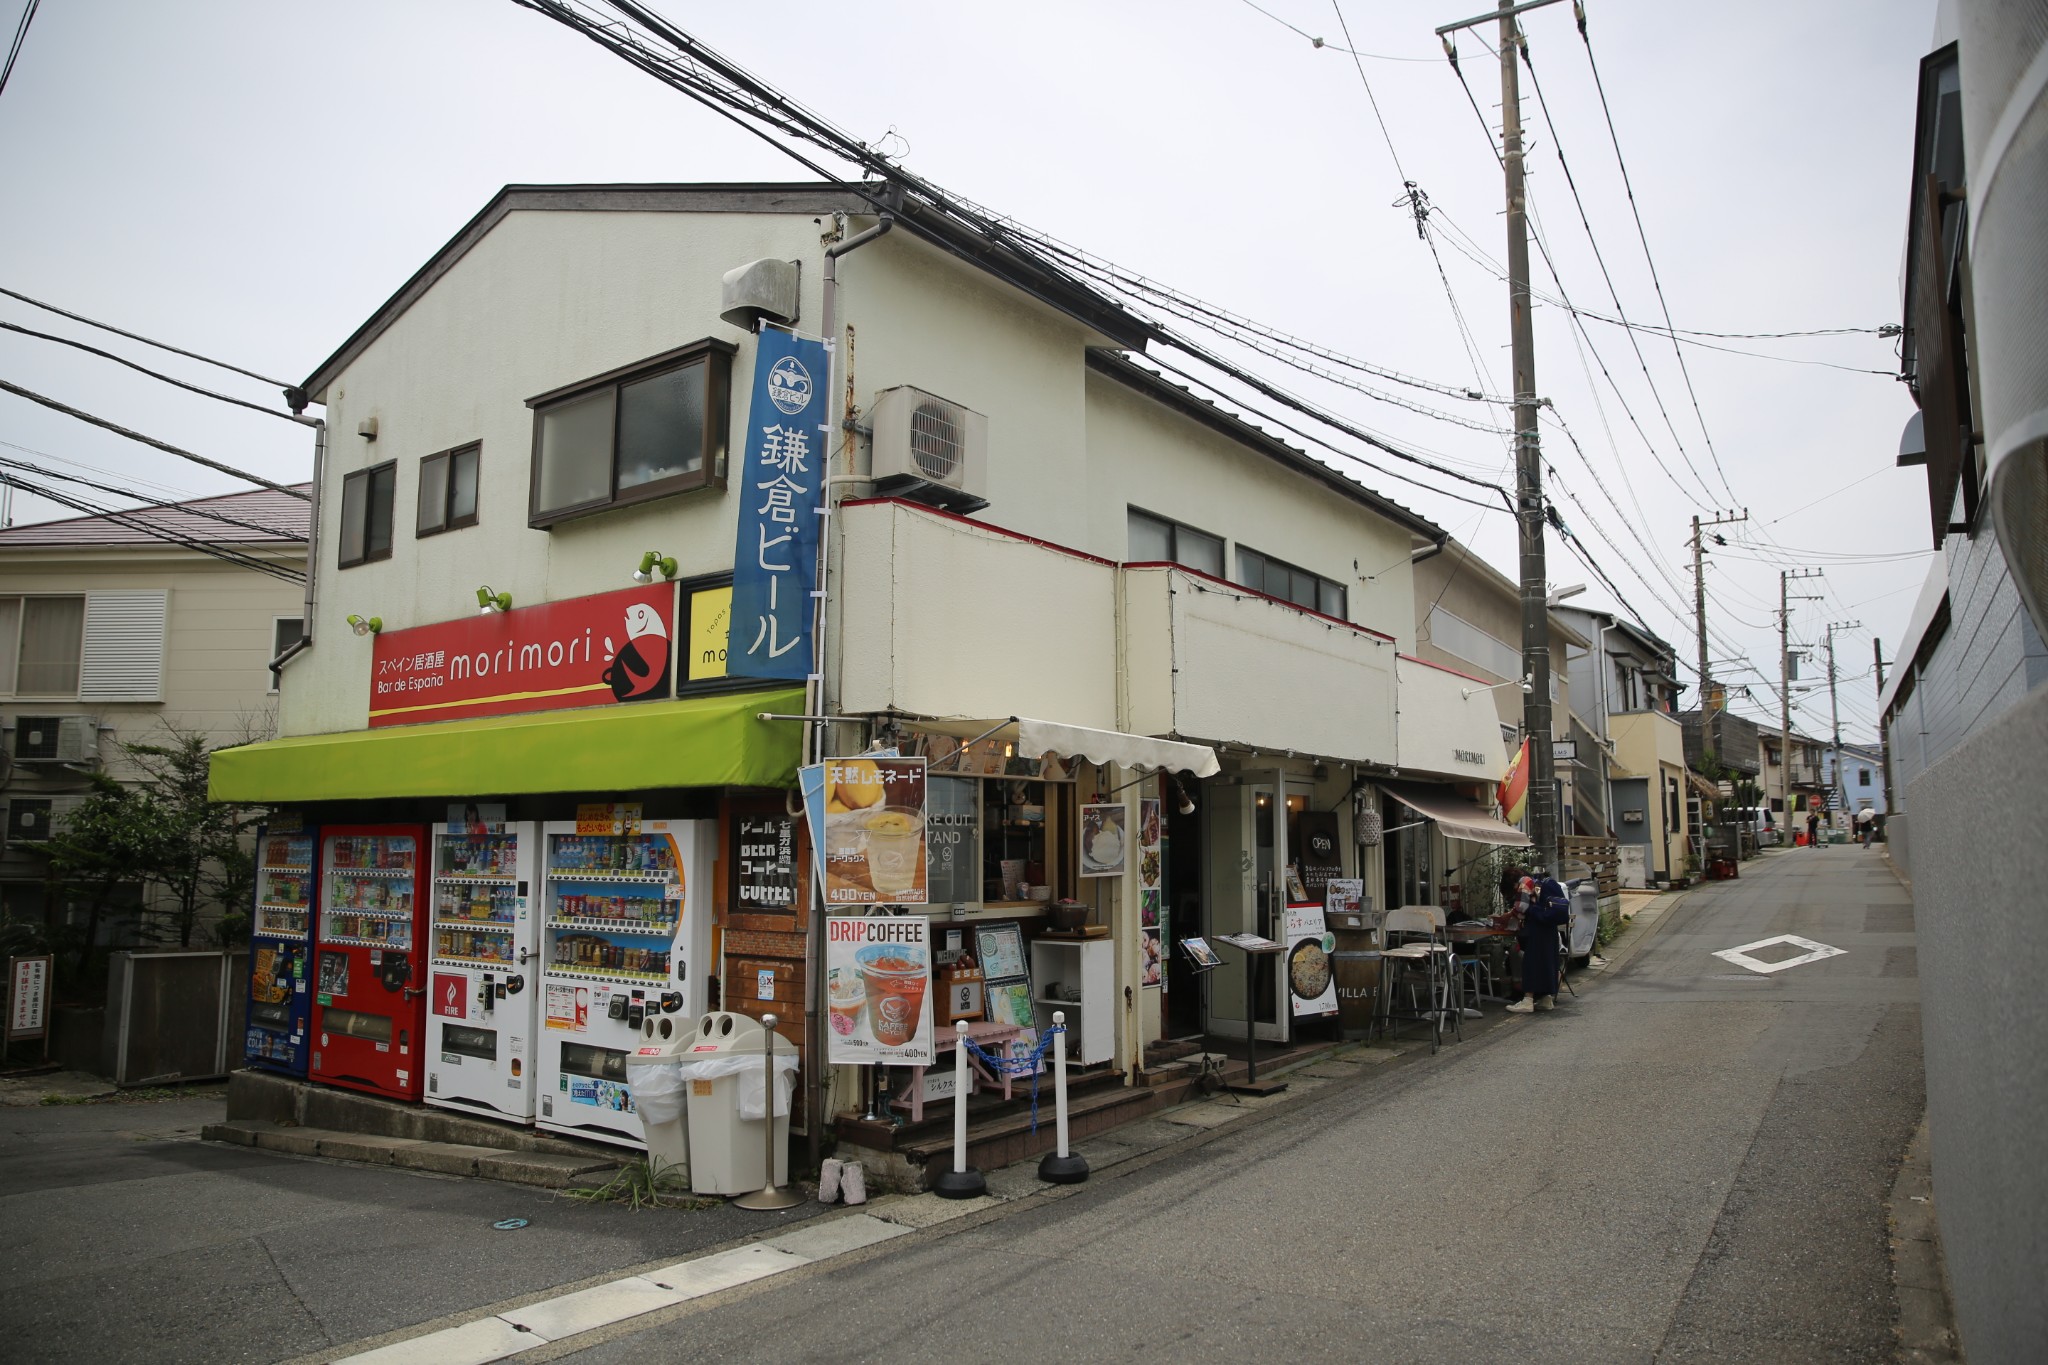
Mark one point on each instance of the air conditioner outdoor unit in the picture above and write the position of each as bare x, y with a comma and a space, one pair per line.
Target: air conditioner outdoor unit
56, 739
34, 819
929, 449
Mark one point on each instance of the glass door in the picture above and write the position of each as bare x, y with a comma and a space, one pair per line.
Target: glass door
1242, 899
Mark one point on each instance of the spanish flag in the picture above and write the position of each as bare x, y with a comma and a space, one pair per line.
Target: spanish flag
1514, 788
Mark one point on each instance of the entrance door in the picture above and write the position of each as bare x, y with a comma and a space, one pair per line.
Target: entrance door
1243, 898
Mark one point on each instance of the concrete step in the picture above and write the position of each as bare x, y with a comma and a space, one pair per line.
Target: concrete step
547, 1170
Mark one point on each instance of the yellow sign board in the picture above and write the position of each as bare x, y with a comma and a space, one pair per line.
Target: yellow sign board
710, 618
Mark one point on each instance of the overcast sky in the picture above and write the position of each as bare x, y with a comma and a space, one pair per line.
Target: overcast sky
251, 178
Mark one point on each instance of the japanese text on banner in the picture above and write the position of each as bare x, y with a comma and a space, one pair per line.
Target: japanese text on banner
781, 488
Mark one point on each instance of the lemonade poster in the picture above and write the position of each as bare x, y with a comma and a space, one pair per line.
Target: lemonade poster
869, 814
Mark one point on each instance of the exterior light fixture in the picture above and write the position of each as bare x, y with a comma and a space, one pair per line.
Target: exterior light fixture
649, 562
1527, 685
1187, 803
488, 601
365, 625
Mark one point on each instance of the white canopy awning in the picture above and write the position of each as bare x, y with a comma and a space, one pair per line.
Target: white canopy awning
1455, 816
1077, 741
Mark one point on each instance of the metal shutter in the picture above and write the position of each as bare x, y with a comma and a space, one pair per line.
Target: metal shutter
124, 646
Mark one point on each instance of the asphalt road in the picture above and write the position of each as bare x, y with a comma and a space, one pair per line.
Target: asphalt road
125, 1238
1689, 1162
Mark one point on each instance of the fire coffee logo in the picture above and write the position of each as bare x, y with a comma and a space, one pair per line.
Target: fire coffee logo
638, 669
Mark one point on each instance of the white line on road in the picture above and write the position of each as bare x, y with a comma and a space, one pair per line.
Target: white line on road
1815, 952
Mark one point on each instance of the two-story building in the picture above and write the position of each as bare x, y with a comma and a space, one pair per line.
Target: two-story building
1792, 776
1626, 679
1096, 582
122, 629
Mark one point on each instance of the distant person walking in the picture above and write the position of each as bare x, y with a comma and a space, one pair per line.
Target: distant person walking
1813, 829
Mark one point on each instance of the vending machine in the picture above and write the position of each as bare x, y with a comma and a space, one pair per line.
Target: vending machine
281, 952
483, 985
369, 968
627, 918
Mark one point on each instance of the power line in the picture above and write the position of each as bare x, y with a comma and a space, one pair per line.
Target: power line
20, 36
137, 336
186, 510
153, 374
133, 522
1635, 213
1323, 43
182, 454
1642, 363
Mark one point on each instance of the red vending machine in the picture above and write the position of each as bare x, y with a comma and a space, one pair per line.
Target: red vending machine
369, 1007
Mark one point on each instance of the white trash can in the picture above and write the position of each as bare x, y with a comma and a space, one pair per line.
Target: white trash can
724, 1068
654, 1078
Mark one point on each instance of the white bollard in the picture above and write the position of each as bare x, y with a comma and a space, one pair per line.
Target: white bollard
963, 1181
1061, 1167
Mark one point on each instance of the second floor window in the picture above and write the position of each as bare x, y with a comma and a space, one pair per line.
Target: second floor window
1863, 777
647, 431
366, 514
448, 490
1155, 539
1263, 573
40, 640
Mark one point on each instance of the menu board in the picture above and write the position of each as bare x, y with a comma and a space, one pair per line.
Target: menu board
765, 860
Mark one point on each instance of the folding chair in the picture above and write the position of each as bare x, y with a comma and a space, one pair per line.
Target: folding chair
1432, 954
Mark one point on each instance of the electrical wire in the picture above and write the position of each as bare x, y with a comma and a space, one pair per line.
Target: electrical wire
131, 520
185, 510
20, 36
1324, 43
153, 374
137, 336
182, 454
1613, 293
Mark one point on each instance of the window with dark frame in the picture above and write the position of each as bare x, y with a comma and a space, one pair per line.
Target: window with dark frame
285, 631
366, 514
448, 490
1157, 540
1275, 578
649, 430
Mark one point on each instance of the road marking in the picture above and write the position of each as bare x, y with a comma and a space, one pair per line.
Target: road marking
567, 1315
1815, 952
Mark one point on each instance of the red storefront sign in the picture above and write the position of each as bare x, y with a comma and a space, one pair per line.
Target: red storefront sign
587, 651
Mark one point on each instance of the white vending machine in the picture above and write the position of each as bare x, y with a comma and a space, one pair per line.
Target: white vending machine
483, 984
625, 933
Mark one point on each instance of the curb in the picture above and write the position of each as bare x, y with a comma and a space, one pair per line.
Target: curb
1926, 1325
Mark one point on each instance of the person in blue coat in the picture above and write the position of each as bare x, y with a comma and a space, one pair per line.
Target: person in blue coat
1548, 906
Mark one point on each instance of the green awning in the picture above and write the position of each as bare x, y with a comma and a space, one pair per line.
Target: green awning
694, 742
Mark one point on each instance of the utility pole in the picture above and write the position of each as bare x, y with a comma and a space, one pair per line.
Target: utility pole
1785, 577
1699, 598
1529, 506
1835, 714
1884, 732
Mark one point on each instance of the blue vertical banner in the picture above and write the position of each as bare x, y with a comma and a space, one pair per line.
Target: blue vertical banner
782, 494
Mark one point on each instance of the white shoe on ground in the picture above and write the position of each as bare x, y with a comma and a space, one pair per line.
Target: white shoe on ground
1546, 1002
1523, 1006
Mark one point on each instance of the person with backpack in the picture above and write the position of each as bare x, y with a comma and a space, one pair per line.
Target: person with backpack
1548, 908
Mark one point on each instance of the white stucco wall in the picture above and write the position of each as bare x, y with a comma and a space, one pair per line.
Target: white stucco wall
543, 300
1438, 723
939, 617
1172, 466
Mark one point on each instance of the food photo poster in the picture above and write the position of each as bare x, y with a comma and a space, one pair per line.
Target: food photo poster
878, 975
1105, 840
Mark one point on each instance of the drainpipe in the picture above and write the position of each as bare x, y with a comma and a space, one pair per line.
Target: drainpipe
815, 704
305, 640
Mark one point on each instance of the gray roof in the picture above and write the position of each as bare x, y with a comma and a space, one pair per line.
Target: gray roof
261, 517
1017, 267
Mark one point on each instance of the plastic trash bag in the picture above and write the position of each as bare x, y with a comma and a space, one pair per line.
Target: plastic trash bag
657, 1089
747, 1067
